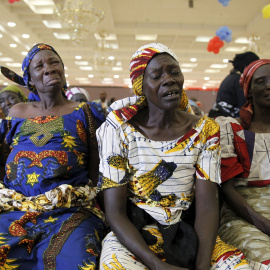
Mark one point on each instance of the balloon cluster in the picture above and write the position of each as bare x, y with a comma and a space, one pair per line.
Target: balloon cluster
12, 1
214, 45
224, 33
224, 3
266, 11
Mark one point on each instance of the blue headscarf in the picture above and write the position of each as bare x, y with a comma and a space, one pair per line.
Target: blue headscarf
25, 67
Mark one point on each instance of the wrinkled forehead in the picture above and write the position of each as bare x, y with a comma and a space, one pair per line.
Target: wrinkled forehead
160, 58
262, 71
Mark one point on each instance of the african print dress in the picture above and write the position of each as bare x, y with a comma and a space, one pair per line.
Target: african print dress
245, 157
49, 218
160, 176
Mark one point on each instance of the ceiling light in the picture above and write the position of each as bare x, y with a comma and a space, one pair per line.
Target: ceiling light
41, 7
189, 65
80, 18
78, 57
111, 57
146, 37
193, 59
14, 64
116, 76
1, 35
6, 59
204, 87
25, 36
218, 66
212, 70
86, 68
61, 36
118, 64
13, 45
66, 75
235, 49
186, 69
5, 83
117, 68
11, 24
52, 24
242, 40
91, 76
202, 39
81, 79
206, 78
225, 60
190, 81
82, 63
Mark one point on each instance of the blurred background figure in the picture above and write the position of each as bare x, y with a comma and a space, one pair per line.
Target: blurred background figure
78, 94
103, 101
10, 96
230, 96
196, 109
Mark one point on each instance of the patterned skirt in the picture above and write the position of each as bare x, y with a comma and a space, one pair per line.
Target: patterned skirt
59, 239
116, 256
254, 244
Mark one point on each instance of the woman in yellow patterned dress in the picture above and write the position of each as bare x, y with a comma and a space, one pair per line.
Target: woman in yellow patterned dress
153, 153
49, 219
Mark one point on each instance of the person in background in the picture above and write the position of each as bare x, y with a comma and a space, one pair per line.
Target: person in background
10, 96
49, 214
78, 94
103, 101
230, 96
153, 152
195, 108
245, 169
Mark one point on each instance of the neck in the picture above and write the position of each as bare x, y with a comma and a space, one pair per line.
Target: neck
161, 118
49, 101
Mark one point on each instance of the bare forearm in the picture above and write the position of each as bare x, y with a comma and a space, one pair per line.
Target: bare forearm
131, 238
206, 222
240, 206
206, 227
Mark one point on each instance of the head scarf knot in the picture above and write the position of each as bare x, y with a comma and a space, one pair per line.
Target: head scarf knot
246, 112
25, 67
139, 62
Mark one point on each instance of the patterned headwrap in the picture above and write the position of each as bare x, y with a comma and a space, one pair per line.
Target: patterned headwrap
16, 90
246, 112
25, 67
139, 62
77, 90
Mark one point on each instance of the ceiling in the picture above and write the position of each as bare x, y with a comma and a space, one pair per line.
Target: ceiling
171, 22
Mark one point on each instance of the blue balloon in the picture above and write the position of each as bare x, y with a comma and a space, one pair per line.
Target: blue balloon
225, 3
224, 33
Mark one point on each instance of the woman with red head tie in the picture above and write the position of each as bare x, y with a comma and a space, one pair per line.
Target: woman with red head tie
245, 169
153, 152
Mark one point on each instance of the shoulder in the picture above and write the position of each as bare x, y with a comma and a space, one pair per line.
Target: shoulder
20, 110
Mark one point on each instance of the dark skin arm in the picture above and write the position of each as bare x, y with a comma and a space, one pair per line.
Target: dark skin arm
206, 222
93, 171
239, 205
126, 232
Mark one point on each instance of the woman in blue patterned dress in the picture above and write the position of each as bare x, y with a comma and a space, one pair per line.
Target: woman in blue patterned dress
49, 215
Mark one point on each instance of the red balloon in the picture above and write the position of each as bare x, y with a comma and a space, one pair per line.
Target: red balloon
11, 1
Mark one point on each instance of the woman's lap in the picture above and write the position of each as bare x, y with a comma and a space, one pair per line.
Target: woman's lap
60, 239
